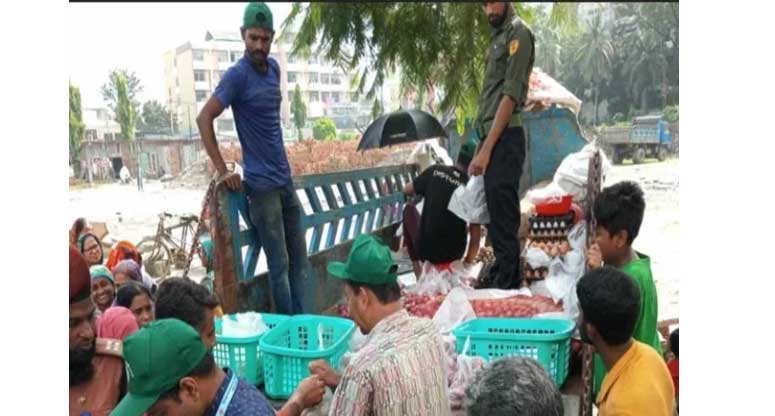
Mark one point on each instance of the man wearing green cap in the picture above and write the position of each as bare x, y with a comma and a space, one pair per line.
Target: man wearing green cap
251, 87
401, 368
170, 372
442, 235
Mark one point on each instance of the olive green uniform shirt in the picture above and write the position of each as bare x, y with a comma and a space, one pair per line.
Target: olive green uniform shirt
507, 70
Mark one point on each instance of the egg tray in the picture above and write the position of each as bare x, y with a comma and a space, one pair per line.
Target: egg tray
550, 227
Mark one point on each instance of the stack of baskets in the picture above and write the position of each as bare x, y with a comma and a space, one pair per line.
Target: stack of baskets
279, 358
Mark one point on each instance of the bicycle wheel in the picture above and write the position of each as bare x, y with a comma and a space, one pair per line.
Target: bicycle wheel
157, 258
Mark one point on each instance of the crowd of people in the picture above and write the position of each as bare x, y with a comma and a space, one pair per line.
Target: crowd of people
135, 352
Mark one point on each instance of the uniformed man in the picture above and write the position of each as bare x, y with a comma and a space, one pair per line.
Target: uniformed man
502, 140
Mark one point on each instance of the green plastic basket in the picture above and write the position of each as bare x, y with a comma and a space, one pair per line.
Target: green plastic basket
291, 346
545, 340
242, 354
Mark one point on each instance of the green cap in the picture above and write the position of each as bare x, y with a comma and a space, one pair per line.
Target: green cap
257, 15
467, 150
156, 358
369, 262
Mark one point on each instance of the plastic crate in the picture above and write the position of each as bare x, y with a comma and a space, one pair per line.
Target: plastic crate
242, 354
291, 346
545, 340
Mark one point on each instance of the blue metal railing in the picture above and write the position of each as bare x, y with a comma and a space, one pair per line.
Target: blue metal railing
361, 201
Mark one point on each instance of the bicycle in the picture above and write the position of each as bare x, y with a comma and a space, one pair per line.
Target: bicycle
164, 251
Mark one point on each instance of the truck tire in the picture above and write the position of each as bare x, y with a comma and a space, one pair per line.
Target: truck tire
638, 155
662, 153
616, 156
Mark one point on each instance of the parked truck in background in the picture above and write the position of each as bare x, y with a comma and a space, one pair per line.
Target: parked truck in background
646, 137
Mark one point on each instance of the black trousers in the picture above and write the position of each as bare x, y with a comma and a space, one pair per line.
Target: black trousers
501, 186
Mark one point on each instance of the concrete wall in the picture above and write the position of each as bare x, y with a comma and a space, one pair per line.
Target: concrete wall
171, 155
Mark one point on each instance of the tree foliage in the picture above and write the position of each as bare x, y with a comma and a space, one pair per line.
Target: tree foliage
110, 89
376, 110
156, 118
76, 122
324, 129
125, 113
299, 111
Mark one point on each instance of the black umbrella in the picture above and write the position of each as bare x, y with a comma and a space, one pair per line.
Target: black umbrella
402, 126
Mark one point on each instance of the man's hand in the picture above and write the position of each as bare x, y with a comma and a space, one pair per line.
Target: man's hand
324, 371
310, 391
478, 165
594, 257
232, 180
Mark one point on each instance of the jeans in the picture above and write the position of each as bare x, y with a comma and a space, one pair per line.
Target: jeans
277, 214
501, 187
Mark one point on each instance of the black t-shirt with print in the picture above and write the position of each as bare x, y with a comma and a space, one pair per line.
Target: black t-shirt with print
442, 233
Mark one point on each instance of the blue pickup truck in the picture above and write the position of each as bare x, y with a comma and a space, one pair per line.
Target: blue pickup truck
648, 136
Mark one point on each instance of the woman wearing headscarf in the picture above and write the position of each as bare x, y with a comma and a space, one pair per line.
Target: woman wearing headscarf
103, 288
91, 248
138, 299
79, 227
124, 250
206, 257
116, 322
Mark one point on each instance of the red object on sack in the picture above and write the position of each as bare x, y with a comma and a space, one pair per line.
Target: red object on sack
578, 213
554, 206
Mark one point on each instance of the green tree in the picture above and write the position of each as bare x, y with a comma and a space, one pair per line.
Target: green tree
125, 114
376, 110
299, 111
436, 44
76, 123
156, 118
593, 57
110, 89
324, 129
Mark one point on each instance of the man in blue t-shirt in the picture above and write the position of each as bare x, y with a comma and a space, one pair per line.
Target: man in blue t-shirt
252, 88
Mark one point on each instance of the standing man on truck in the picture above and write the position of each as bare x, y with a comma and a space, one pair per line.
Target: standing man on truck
507, 71
252, 88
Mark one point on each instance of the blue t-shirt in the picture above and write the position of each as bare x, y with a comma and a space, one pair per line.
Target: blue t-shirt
247, 400
255, 101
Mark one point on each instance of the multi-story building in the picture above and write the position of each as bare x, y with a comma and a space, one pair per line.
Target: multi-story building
100, 125
193, 70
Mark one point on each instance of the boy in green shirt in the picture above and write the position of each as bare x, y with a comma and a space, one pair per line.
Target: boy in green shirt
619, 213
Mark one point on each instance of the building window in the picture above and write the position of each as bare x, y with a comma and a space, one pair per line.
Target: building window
235, 55
201, 95
225, 125
199, 55
199, 75
223, 56
292, 77
314, 96
325, 96
336, 80
312, 77
335, 97
325, 79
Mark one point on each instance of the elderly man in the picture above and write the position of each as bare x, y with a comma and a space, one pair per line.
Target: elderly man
513, 386
401, 368
96, 367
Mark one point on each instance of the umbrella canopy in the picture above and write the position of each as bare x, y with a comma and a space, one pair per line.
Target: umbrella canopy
402, 126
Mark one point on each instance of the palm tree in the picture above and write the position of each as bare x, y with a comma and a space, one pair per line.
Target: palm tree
593, 57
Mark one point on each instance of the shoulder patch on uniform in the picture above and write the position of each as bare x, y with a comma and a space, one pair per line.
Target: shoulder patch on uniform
513, 46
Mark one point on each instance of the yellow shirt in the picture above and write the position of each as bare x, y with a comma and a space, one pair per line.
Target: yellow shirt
638, 384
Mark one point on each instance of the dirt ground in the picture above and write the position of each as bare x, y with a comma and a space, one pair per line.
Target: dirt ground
132, 215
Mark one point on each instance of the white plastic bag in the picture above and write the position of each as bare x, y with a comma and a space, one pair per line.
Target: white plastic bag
455, 310
244, 325
469, 202
536, 257
467, 367
572, 174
